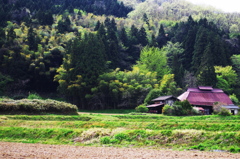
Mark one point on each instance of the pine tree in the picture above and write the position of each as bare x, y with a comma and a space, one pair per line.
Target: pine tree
146, 20
32, 41
207, 75
142, 37
188, 44
199, 47
97, 25
123, 37
161, 38
133, 35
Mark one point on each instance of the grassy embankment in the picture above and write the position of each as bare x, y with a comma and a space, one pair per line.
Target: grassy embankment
196, 132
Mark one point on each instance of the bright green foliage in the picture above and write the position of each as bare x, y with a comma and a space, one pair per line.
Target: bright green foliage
226, 77
234, 99
34, 96
154, 93
168, 85
154, 60
123, 88
141, 108
167, 110
227, 73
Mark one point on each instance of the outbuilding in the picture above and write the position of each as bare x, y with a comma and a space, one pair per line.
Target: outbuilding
159, 103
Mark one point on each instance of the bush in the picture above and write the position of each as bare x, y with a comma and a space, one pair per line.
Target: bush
195, 111
167, 110
34, 96
36, 106
224, 112
141, 109
105, 140
176, 110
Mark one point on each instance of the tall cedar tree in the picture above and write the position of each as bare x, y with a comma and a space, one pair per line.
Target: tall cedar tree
189, 48
207, 75
161, 38
142, 36
199, 47
123, 37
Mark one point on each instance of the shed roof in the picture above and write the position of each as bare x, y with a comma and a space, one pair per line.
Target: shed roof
154, 105
206, 97
231, 106
163, 98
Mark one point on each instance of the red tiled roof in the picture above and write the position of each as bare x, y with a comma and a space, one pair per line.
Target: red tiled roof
205, 97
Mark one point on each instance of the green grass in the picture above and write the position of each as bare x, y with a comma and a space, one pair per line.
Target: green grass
109, 111
205, 133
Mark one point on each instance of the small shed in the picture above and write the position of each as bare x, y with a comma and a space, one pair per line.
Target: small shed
159, 103
232, 108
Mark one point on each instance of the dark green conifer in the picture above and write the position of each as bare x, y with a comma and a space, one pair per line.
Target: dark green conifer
142, 36
161, 38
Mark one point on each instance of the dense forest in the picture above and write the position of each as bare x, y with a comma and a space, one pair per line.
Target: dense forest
101, 54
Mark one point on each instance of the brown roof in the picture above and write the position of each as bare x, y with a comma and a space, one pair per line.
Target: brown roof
207, 96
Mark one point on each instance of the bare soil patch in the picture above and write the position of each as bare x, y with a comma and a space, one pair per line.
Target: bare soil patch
22, 150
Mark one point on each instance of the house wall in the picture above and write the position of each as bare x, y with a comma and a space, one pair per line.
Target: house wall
170, 101
234, 110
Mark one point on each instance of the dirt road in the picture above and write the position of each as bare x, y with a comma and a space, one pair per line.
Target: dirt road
22, 151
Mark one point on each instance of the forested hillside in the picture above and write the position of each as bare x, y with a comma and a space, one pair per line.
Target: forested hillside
102, 54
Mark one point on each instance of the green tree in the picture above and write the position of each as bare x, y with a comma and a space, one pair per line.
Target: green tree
83, 63
174, 52
2, 37
142, 36
206, 72
154, 60
123, 37
199, 47
161, 38
168, 86
226, 78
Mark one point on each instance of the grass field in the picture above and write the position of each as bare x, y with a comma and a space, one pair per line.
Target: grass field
206, 133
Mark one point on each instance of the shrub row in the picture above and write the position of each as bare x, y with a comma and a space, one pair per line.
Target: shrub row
48, 117
36, 106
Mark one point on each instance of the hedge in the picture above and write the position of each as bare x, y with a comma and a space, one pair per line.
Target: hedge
36, 106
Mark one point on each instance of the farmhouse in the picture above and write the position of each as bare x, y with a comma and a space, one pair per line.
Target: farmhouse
205, 97
160, 102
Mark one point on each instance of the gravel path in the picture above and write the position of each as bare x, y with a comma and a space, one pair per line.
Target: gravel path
21, 151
